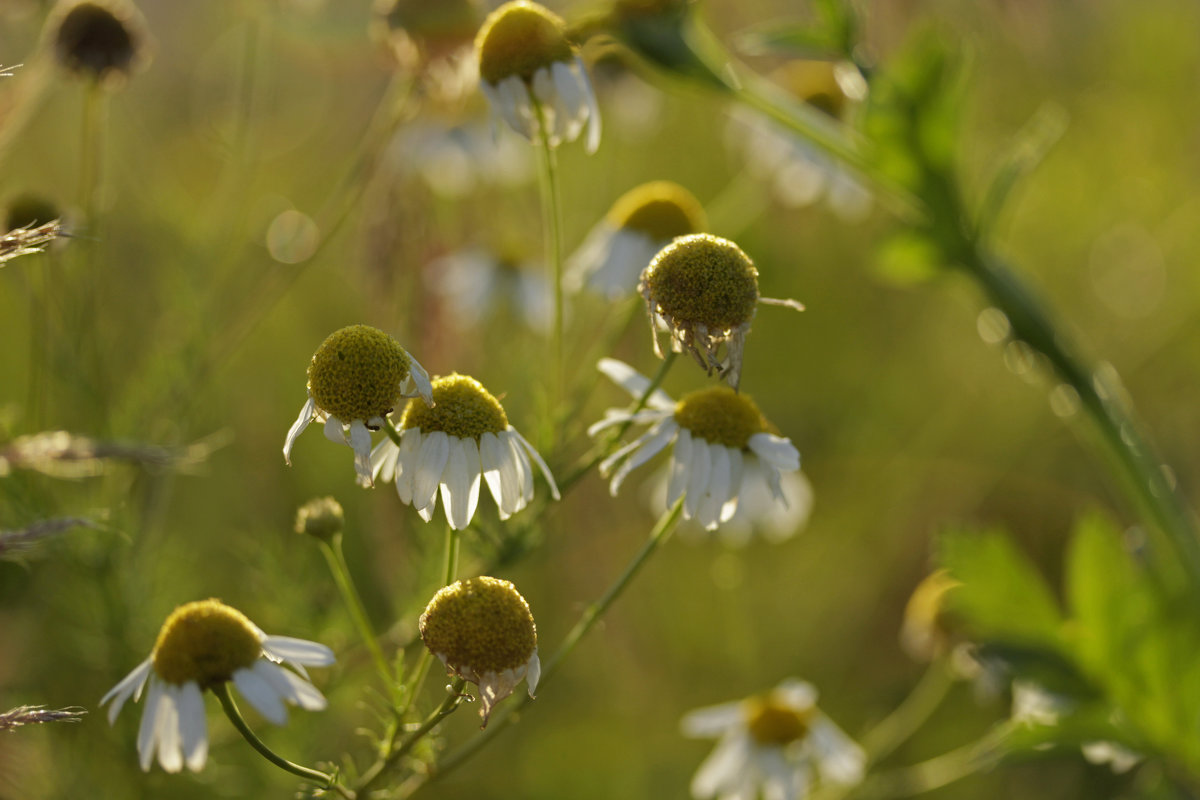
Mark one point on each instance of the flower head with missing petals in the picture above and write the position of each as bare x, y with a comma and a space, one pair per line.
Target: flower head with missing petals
483, 631
201, 645
642, 221
533, 76
355, 379
777, 742
723, 446
454, 444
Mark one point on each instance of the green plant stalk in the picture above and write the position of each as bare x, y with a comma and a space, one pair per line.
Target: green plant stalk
939, 771
336, 559
591, 615
221, 690
907, 718
449, 573
552, 224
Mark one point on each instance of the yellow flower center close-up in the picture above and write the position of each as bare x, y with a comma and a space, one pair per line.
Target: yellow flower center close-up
356, 374
480, 624
519, 38
719, 415
206, 642
703, 279
773, 723
660, 209
462, 408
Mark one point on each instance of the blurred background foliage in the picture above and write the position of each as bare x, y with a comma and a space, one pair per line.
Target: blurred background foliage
176, 317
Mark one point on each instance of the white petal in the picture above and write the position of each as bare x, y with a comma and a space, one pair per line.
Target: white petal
533, 673
435, 450
521, 459
517, 107
334, 431
306, 416
708, 512
589, 258
838, 758
297, 651
406, 463
147, 739
261, 694
593, 139
421, 378
170, 755
539, 461
290, 686
681, 463
698, 473
490, 460
635, 383
360, 440
653, 442
383, 460
712, 721
193, 727
460, 482
736, 471
776, 451
552, 122
616, 416
569, 99
130, 684
724, 769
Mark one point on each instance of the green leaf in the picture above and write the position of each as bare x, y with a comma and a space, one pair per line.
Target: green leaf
908, 257
788, 38
1026, 152
1003, 597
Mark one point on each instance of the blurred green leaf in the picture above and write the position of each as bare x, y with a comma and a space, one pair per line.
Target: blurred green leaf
1003, 598
789, 38
1027, 150
908, 257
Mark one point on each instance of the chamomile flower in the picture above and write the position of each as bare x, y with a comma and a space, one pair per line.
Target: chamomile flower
432, 42
355, 379
451, 445
642, 221
778, 743
482, 631
533, 77
474, 281
798, 173
202, 645
704, 291
722, 446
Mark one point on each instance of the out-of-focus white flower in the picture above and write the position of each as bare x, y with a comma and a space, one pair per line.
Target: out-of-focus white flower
642, 221
1033, 704
722, 447
201, 645
778, 743
799, 173
533, 77
475, 281
454, 160
451, 446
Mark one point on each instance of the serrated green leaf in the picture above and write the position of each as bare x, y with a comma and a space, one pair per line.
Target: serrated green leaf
1003, 597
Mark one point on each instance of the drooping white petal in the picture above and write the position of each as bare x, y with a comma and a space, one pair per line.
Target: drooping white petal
360, 440
551, 123
129, 685
306, 416
147, 739
736, 471
776, 451
517, 107
421, 378
569, 99
491, 461
708, 512
521, 458
724, 769
290, 686
711, 722
698, 474
537, 458
635, 383
653, 442
616, 416
533, 673
297, 651
334, 431
838, 758
166, 727
593, 138
383, 460
681, 462
406, 463
259, 693
193, 727
431, 462
460, 482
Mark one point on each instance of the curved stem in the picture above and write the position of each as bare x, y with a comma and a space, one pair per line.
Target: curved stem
221, 690
591, 615
896, 728
336, 559
934, 773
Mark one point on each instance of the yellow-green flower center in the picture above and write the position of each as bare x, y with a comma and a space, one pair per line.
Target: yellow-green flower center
462, 408
356, 374
519, 38
481, 625
719, 415
322, 518
661, 209
438, 19
773, 723
206, 642
703, 279
815, 83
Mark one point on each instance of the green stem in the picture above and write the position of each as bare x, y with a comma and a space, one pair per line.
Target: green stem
931, 774
552, 216
449, 573
911, 714
454, 698
336, 559
591, 615
221, 690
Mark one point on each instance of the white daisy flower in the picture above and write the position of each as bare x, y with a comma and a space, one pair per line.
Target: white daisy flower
474, 280
642, 221
722, 446
482, 631
355, 379
454, 444
533, 77
800, 174
201, 645
778, 743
